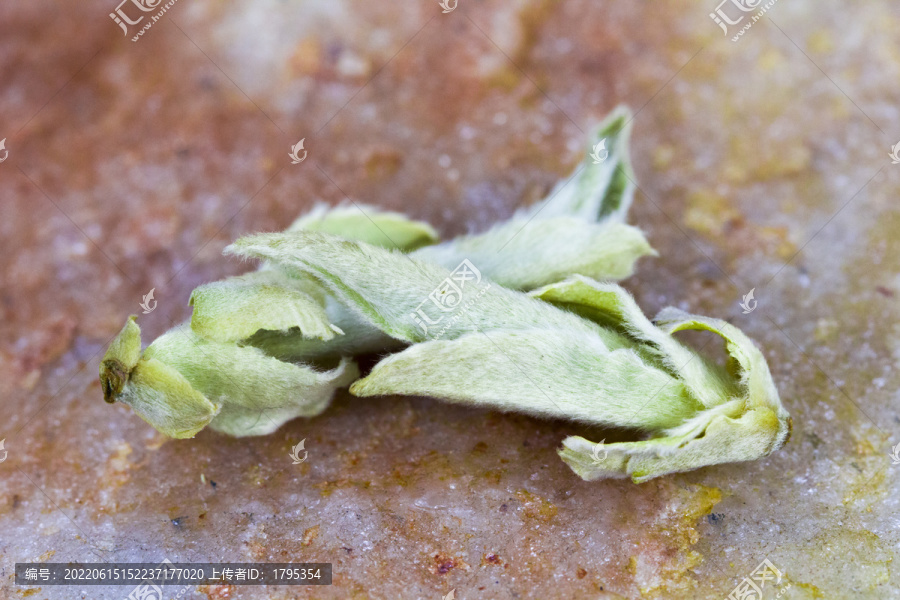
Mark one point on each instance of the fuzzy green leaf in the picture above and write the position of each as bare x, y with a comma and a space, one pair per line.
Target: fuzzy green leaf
183, 382
577, 229
523, 254
120, 358
256, 393
743, 418
387, 288
594, 192
282, 313
157, 393
368, 224
568, 375
610, 365
238, 307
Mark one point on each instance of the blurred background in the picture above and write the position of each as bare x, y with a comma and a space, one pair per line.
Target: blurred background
763, 164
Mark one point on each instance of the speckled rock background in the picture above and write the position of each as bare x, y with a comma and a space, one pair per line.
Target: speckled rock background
763, 164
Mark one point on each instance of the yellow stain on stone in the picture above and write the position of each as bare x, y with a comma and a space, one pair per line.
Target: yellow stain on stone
708, 212
309, 535
535, 507
307, 57
771, 59
676, 531
826, 329
820, 42
662, 156
45, 556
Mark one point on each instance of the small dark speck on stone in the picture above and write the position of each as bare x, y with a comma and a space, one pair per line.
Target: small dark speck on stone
212, 483
503, 508
814, 440
714, 518
887, 293
177, 521
347, 550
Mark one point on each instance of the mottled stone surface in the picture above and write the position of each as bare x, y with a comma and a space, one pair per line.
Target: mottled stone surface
763, 164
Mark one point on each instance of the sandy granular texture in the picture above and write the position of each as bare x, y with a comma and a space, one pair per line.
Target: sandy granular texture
763, 164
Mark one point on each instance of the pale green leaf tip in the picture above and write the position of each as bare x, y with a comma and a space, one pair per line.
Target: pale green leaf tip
735, 429
244, 420
120, 358
751, 436
236, 308
717, 416
370, 224
157, 393
162, 397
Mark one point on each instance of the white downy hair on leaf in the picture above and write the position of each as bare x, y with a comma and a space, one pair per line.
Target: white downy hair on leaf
593, 357
210, 372
577, 229
284, 315
182, 383
369, 224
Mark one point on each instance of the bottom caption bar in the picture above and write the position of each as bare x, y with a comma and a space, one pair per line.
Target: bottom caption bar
169, 573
